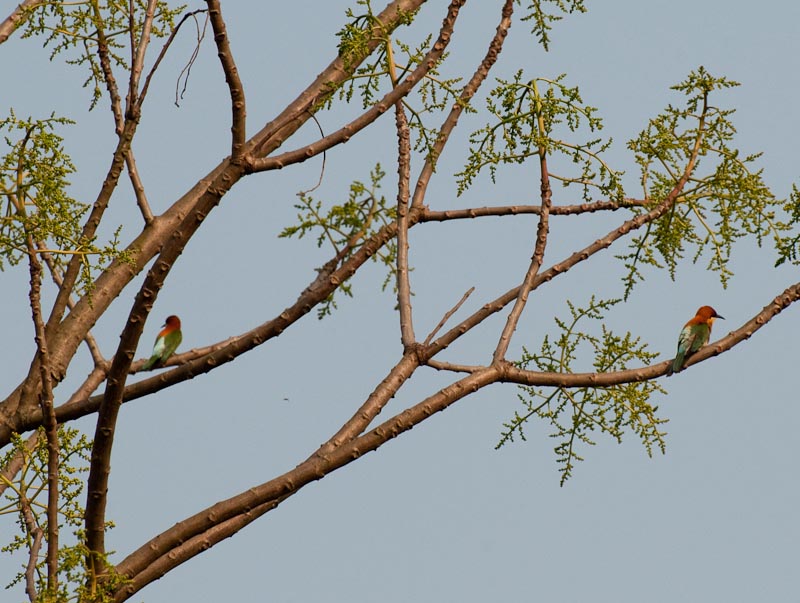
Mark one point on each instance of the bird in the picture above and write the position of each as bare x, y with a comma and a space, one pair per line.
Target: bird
166, 343
694, 336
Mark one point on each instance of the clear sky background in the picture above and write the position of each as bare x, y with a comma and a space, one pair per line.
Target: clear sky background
438, 514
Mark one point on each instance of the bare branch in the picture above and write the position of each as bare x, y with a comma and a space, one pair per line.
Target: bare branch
440, 365
403, 175
513, 210
536, 260
447, 316
138, 187
315, 468
238, 106
14, 20
105, 65
138, 52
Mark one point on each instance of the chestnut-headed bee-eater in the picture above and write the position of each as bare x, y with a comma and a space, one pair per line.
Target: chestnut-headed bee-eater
694, 336
167, 342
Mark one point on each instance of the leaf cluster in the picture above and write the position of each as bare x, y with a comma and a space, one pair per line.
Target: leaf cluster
575, 413
543, 20
345, 226
34, 172
529, 119
725, 198
78, 28
27, 494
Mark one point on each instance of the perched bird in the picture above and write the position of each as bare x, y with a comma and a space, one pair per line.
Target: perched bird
167, 342
694, 336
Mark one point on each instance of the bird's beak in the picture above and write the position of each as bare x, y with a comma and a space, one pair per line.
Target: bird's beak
718, 316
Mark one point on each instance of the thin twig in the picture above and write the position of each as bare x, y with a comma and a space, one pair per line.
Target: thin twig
36, 533
322, 169
447, 316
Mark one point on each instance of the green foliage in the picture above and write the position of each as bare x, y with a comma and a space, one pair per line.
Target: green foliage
575, 413
34, 171
346, 226
528, 123
787, 247
725, 198
542, 20
78, 28
25, 498
377, 76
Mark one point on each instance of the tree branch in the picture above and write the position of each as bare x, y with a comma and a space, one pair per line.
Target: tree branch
536, 260
259, 163
50, 424
469, 90
403, 173
14, 20
238, 106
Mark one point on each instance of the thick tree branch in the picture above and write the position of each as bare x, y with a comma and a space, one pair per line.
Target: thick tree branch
146, 245
315, 468
99, 469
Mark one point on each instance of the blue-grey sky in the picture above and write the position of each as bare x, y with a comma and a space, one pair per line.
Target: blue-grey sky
438, 514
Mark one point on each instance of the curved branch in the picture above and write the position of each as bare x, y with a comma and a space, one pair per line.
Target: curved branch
235, 87
345, 133
513, 374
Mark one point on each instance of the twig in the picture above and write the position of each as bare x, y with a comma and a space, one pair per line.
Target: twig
447, 316
36, 533
322, 169
440, 365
